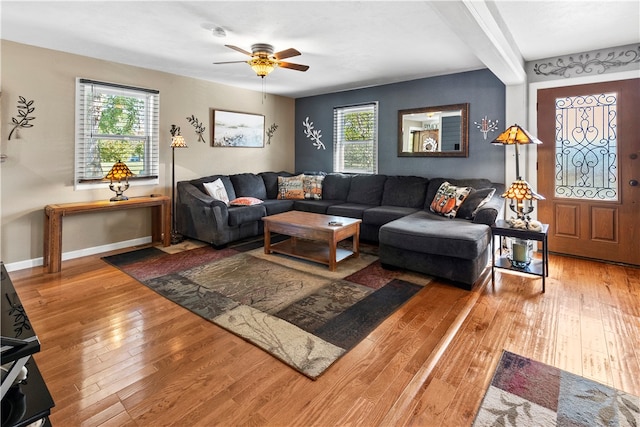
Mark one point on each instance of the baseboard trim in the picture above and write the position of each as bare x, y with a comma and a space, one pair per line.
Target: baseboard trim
36, 262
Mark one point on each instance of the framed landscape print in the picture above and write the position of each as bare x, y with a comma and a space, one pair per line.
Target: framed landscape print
233, 129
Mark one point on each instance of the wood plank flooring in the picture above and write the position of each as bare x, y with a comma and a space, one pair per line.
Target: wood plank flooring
114, 353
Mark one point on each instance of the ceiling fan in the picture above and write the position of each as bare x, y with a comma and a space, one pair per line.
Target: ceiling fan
263, 60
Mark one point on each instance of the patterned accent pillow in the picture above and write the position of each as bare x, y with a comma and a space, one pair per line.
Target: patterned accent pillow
448, 199
312, 186
217, 191
291, 188
245, 201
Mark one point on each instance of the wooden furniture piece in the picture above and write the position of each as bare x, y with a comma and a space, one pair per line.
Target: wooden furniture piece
537, 267
320, 238
160, 222
29, 401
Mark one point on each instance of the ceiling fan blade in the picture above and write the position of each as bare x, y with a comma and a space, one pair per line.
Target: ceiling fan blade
230, 62
239, 49
288, 53
291, 66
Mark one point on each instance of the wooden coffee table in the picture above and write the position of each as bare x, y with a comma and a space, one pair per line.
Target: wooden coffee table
318, 240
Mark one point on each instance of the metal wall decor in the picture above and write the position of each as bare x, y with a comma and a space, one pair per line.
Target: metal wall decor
486, 126
313, 134
588, 63
22, 121
272, 129
199, 127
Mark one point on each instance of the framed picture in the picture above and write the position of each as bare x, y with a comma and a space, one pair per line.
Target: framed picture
233, 129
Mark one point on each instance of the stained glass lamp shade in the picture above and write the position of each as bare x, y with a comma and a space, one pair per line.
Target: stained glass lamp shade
116, 175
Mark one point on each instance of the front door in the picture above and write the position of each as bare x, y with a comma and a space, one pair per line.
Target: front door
589, 168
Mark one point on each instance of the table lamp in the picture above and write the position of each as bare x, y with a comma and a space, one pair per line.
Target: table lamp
119, 172
520, 192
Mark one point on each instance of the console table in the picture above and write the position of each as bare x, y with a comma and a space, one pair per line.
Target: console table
160, 222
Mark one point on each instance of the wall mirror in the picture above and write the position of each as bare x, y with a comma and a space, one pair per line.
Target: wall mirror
440, 131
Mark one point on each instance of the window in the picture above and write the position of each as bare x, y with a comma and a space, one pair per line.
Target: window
115, 122
355, 133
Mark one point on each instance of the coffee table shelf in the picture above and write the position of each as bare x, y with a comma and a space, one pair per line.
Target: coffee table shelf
309, 250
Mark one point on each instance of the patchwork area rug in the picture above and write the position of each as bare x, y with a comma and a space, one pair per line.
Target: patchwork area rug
524, 392
297, 311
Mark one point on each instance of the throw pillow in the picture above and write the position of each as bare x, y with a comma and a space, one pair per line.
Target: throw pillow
312, 186
448, 199
291, 188
217, 191
474, 201
245, 201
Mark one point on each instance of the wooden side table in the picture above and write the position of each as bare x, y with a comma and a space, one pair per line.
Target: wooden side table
537, 267
160, 222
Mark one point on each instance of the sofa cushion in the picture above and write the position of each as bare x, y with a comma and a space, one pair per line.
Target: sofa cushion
315, 206
291, 188
249, 185
474, 201
366, 189
239, 215
245, 201
380, 215
448, 199
351, 210
335, 186
217, 190
429, 233
408, 191
274, 206
312, 186
271, 182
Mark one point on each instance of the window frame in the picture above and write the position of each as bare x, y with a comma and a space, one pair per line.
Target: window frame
85, 134
338, 137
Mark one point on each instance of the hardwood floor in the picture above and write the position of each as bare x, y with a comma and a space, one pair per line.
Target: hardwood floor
114, 353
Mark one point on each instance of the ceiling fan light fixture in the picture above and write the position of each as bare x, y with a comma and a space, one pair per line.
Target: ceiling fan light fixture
262, 66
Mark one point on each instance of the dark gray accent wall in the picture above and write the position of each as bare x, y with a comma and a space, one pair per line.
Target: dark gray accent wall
481, 89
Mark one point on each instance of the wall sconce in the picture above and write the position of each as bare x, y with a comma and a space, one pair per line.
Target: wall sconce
119, 171
177, 141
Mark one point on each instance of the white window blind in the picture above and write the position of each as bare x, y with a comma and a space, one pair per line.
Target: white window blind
355, 138
115, 122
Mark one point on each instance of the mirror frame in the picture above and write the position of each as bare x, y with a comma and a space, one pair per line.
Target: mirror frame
464, 131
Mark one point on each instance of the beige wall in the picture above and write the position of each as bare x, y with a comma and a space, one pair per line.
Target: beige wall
39, 167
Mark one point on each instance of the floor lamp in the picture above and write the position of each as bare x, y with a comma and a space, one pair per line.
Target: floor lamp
519, 192
177, 141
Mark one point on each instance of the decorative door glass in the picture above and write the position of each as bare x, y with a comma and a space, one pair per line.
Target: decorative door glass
586, 147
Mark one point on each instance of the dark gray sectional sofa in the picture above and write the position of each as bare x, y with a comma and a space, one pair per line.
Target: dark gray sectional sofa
394, 211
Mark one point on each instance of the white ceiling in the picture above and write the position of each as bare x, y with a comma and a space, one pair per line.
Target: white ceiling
347, 44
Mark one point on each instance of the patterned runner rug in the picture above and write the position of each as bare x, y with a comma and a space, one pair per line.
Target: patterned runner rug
298, 311
524, 392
